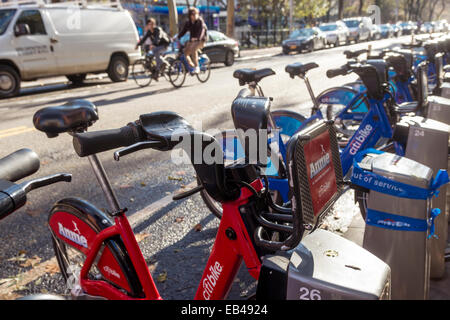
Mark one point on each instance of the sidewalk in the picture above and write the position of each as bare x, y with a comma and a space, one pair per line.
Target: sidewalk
247, 54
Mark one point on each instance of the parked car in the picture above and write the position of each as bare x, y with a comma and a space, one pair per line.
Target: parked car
375, 32
335, 33
427, 27
408, 27
397, 30
308, 39
387, 30
359, 28
38, 40
219, 48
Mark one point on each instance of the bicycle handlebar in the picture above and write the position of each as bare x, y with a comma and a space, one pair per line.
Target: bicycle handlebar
342, 71
14, 196
18, 165
89, 143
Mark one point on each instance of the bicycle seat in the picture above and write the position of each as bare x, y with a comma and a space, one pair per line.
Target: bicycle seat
354, 54
407, 107
400, 64
431, 49
164, 126
299, 69
247, 75
74, 116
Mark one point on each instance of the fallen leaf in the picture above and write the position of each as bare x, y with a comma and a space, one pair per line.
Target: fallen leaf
52, 268
31, 262
20, 257
141, 236
7, 281
152, 268
198, 227
162, 276
143, 184
175, 178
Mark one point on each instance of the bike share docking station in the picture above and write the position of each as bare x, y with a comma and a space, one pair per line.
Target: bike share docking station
324, 265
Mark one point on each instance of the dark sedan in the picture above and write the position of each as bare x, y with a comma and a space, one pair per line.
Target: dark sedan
219, 47
308, 39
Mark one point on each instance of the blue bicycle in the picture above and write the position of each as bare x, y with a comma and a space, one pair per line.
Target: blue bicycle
180, 67
376, 124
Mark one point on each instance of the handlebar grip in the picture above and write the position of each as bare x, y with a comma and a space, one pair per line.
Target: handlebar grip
88, 143
18, 165
6, 205
331, 73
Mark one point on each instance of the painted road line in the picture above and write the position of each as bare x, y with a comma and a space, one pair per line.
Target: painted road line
40, 269
14, 131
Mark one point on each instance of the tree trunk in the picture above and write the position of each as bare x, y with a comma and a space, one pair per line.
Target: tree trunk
340, 9
230, 18
360, 9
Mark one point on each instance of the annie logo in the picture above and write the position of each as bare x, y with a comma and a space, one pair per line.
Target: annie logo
73, 235
317, 166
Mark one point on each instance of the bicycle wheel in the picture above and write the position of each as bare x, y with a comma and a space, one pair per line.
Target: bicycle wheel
141, 74
73, 233
177, 73
205, 72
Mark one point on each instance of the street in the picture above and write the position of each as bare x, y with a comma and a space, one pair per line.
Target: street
175, 237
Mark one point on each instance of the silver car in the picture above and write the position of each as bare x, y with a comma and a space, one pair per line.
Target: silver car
335, 32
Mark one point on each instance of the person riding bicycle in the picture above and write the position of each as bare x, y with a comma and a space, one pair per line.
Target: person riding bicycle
198, 35
160, 41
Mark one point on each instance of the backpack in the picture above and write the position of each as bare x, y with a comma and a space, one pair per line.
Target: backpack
163, 37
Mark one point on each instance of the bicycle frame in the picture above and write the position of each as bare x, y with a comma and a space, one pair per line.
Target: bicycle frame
231, 247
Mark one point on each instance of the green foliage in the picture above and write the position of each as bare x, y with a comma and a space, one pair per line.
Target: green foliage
310, 9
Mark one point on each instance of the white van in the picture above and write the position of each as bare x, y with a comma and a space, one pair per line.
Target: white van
40, 40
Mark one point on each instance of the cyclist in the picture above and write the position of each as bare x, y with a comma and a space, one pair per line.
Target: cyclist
160, 41
198, 35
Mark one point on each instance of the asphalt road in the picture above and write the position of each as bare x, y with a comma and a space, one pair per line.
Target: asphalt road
175, 249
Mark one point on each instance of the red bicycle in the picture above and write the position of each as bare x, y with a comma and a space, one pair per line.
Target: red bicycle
99, 253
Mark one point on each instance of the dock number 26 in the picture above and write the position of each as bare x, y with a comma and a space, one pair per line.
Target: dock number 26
306, 294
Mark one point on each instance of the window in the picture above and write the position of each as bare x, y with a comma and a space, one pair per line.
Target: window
5, 18
216, 36
34, 20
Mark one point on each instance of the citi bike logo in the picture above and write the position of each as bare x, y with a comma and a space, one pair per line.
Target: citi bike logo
360, 138
110, 271
74, 236
317, 166
393, 223
210, 281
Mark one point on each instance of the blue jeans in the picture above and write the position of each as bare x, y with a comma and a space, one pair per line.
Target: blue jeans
158, 51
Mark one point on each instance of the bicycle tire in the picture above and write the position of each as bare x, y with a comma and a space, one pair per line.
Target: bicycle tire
141, 75
177, 73
203, 76
70, 255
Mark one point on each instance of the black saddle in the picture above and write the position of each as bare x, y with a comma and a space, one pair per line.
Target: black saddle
246, 75
299, 69
74, 116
